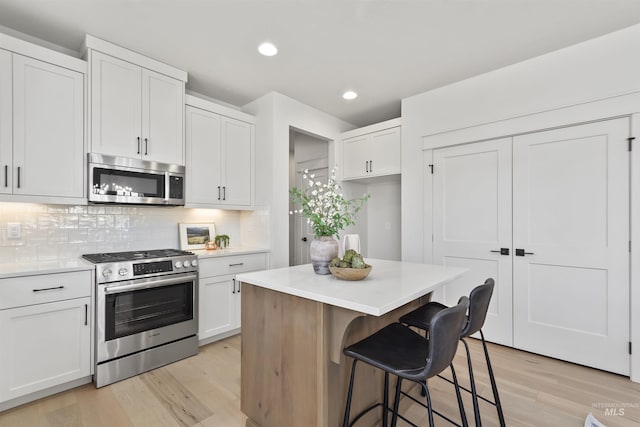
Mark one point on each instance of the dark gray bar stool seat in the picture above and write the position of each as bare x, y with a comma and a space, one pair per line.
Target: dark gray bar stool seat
399, 351
479, 300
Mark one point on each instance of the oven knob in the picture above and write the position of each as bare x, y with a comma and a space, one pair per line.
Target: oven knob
122, 272
178, 264
107, 273
187, 263
194, 263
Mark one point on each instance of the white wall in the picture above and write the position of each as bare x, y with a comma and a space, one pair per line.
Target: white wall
551, 90
275, 115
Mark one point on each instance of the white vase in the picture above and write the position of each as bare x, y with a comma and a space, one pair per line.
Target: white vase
322, 250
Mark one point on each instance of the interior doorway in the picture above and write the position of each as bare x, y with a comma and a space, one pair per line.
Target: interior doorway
306, 152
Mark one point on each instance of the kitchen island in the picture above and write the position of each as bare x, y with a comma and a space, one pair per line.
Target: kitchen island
295, 324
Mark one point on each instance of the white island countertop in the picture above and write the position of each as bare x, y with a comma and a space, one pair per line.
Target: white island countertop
390, 284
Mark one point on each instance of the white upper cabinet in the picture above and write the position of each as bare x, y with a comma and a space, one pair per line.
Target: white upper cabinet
42, 150
371, 151
137, 105
6, 123
220, 147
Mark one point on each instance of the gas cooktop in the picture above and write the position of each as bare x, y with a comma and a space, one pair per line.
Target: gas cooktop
134, 255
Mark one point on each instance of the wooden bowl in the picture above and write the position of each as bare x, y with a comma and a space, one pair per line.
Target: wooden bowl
350, 273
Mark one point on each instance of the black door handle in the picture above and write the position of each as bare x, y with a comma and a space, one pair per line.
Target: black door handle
304, 239
521, 252
502, 251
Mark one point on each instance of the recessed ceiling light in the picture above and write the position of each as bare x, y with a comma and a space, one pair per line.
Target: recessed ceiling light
349, 95
267, 49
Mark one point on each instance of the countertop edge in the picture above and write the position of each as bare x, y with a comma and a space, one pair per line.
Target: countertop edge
42, 268
203, 253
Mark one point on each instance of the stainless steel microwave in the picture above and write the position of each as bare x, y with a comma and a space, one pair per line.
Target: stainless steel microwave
122, 180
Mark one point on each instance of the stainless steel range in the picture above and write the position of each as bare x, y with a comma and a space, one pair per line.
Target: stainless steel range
146, 311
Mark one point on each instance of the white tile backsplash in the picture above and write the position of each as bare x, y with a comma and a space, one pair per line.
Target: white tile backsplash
52, 232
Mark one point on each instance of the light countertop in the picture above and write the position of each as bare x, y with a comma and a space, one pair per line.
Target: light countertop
390, 284
44, 267
203, 253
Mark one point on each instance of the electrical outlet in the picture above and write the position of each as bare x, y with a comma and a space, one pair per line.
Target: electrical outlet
13, 230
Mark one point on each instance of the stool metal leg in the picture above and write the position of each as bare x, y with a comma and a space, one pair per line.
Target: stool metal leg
428, 397
347, 409
472, 381
463, 415
385, 400
396, 403
494, 387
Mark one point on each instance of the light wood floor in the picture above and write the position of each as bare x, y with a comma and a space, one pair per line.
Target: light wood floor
205, 390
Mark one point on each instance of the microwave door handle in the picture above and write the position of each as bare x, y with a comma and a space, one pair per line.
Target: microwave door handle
166, 187
156, 283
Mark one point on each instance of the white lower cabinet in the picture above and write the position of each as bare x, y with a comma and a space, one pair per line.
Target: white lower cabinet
46, 340
220, 293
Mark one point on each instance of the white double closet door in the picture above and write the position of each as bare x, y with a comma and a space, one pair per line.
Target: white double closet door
557, 202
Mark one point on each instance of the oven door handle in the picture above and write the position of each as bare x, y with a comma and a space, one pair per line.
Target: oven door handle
155, 283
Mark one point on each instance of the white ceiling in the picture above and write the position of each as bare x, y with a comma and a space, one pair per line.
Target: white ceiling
385, 50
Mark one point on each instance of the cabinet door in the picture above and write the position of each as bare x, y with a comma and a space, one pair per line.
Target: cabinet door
48, 129
571, 217
384, 148
217, 309
237, 164
116, 106
43, 345
162, 118
6, 123
203, 146
355, 157
471, 220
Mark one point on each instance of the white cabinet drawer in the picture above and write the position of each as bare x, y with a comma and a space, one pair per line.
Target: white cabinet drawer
232, 264
29, 290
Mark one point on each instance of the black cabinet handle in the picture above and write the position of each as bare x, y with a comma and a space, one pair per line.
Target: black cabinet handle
146, 146
18, 176
370, 165
236, 264
6, 175
366, 167
502, 251
238, 287
86, 314
224, 193
304, 239
234, 286
138, 145
48, 289
521, 252
218, 192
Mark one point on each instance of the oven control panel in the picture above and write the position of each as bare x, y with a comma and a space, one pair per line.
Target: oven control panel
127, 270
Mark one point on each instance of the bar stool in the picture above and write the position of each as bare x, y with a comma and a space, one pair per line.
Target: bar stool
398, 350
478, 306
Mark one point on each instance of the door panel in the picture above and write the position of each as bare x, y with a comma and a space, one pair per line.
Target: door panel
472, 218
162, 118
116, 106
203, 152
237, 165
48, 131
6, 119
571, 213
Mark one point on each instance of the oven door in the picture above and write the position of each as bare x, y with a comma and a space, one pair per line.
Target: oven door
140, 314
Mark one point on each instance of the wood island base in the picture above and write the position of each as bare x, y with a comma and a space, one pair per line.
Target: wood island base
293, 370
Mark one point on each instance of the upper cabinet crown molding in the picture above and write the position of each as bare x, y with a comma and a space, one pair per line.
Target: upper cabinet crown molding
92, 42
387, 124
222, 110
41, 53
